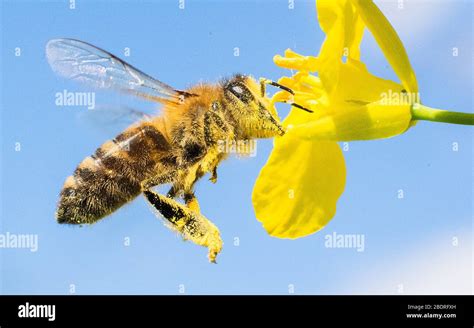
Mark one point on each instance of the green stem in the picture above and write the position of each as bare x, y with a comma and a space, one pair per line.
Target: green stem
423, 113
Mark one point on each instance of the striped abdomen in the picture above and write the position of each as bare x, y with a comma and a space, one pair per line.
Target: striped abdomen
113, 176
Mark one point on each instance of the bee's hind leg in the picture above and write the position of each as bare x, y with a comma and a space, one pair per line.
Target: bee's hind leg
190, 224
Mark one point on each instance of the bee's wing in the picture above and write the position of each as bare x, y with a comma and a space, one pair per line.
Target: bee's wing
113, 116
80, 61
110, 120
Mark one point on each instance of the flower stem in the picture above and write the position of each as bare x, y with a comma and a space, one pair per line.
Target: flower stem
424, 113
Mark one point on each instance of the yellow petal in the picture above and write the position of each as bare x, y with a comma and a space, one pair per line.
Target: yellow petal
357, 122
330, 56
389, 42
354, 32
357, 84
344, 30
328, 12
296, 192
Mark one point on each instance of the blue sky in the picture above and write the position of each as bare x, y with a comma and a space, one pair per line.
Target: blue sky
408, 241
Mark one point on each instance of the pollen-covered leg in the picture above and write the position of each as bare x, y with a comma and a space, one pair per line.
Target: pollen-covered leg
192, 203
191, 225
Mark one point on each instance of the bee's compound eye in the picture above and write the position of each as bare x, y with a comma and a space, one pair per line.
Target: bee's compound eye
241, 92
237, 89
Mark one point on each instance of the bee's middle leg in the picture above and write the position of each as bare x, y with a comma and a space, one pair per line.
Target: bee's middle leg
192, 225
188, 197
192, 202
187, 193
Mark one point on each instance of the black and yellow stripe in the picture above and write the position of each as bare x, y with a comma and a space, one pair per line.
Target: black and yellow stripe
113, 175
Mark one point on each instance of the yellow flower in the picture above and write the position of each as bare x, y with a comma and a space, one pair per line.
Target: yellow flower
296, 192
349, 102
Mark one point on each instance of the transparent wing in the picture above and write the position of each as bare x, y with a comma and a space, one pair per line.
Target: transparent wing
108, 121
80, 61
113, 115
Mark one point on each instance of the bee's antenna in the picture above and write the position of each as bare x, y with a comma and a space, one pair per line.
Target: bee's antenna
298, 106
278, 85
301, 107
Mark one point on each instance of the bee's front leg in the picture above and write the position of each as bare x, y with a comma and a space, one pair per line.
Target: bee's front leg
190, 224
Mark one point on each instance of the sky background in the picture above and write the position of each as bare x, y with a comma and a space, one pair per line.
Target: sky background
410, 243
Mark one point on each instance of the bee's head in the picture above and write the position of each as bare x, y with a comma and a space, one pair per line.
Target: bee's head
252, 110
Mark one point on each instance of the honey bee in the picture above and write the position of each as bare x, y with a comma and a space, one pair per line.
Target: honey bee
177, 148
